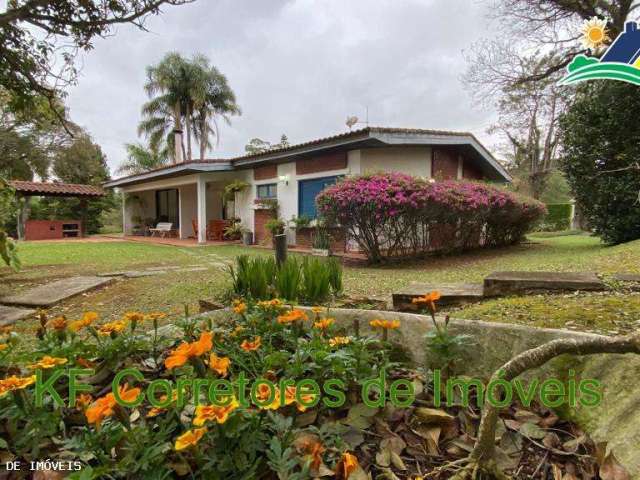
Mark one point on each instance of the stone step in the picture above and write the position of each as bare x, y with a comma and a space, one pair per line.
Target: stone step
507, 283
54, 292
10, 315
450, 294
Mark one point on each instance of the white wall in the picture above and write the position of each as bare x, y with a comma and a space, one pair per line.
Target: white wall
410, 160
138, 204
188, 210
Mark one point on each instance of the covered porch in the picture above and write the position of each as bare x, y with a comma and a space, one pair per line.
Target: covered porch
195, 206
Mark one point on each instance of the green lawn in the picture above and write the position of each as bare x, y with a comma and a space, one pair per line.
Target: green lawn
45, 261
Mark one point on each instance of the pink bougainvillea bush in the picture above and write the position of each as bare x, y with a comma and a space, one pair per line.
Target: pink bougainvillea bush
397, 215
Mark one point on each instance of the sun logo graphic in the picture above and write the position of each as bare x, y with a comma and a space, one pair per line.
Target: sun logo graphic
620, 61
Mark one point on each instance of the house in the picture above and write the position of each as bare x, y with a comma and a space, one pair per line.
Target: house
190, 194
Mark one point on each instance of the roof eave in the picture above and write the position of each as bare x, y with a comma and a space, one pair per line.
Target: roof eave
185, 169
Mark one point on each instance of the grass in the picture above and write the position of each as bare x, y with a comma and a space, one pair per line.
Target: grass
45, 261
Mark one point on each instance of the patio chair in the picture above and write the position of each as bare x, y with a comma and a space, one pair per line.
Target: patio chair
194, 225
163, 229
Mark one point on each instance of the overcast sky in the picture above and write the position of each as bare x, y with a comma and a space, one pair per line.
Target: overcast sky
298, 67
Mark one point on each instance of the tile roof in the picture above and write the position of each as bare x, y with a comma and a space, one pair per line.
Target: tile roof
61, 189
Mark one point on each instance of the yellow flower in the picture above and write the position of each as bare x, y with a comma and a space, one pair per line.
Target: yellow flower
385, 324
292, 316
83, 401
274, 303
324, 323
87, 319
3, 346
13, 383
348, 464
218, 413
133, 317
47, 362
336, 341
58, 323
250, 346
112, 327
155, 316
317, 309
239, 307
220, 365
429, 300
189, 438
185, 351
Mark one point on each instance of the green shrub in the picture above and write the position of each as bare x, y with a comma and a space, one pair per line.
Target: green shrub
335, 276
558, 217
315, 286
288, 279
253, 277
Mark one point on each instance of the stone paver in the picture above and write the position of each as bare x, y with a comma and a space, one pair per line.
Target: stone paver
450, 294
54, 292
627, 277
506, 283
9, 315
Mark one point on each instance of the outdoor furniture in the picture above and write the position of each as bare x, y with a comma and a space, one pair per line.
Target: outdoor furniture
163, 229
217, 228
194, 225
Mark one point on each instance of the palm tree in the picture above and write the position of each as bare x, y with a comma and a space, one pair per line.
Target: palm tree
185, 92
167, 87
142, 159
212, 98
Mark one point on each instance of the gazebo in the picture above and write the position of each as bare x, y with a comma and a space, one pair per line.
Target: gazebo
51, 229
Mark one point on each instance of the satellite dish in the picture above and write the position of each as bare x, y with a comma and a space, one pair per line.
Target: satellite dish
351, 121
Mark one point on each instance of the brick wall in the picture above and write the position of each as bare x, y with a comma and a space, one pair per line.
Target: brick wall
265, 172
324, 163
444, 163
47, 229
304, 239
260, 234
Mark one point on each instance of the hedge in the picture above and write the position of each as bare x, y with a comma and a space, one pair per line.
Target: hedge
558, 217
396, 215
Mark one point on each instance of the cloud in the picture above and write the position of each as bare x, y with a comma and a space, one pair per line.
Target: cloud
298, 67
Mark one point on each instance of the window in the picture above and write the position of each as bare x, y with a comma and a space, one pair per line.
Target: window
270, 190
308, 190
167, 206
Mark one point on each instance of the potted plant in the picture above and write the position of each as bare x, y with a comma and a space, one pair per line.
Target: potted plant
300, 222
234, 231
321, 241
275, 226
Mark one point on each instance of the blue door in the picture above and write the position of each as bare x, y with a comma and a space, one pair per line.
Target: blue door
308, 190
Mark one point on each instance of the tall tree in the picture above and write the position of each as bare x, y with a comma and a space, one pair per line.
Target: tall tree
40, 39
187, 94
142, 159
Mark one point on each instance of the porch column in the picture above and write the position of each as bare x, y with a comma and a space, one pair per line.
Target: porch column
124, 212
202, 209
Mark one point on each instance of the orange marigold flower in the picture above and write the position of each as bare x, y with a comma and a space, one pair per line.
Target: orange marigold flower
317, 309
218, 413
155, 411
348, 464
336, 341
294, 315
112, 327
239, 307
14, 382
274, 303
83, 362
83, 401
185, 350
429, 300
104, 406
189, 438
133, 317
324, 323
155, 316
385, 324
87, 319
250, 346
3, 346
6, 329
58, 323
314, 450
220, 365
47, 362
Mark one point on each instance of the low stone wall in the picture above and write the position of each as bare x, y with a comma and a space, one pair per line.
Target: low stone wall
617, 419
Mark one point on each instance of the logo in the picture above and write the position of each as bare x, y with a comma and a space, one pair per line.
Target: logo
621, 61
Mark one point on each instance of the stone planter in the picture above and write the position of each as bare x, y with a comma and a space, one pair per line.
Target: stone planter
247, 238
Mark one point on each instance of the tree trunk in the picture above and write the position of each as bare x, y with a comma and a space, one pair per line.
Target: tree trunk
188, 127
484, 449
177, 131
204, 135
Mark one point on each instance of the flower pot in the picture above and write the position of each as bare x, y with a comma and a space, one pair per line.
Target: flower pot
247, 238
